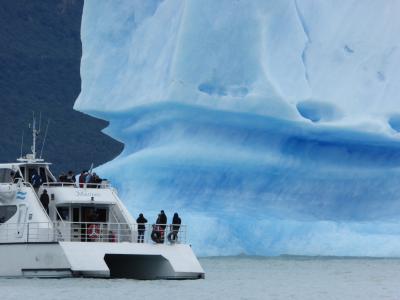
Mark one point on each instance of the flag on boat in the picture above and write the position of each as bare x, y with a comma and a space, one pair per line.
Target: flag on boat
21, 195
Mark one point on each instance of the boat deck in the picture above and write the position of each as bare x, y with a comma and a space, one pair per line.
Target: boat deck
39, 232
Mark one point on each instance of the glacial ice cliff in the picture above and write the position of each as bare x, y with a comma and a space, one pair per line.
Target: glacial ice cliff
271, 126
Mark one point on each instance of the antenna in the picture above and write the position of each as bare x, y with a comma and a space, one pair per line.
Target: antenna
35, 133
22, 142
33, 147
31, 157
40, 121
44, 139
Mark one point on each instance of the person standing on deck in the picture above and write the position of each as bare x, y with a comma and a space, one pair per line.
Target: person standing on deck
162, 220
141, 221
44, 199
71, 177
36, 180
176, 224
82, 178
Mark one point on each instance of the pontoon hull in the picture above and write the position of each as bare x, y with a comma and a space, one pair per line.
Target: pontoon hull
106, 260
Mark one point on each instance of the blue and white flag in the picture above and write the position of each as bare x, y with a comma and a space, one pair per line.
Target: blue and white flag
21, 195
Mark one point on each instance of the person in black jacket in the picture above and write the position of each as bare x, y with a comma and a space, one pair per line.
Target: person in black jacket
156, 232
141, 221
176, 222
36, 180
44, 199
71, 177
162, 219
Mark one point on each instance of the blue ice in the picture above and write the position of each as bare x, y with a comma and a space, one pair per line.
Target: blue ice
266, 124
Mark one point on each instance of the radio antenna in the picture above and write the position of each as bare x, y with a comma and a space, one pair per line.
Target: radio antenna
22, 142
35, 133
44, 139
40, 122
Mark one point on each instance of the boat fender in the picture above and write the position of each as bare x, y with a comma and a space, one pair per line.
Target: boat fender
172, 237
94, 231
155, 236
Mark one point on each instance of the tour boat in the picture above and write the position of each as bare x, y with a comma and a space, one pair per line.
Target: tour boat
84, 231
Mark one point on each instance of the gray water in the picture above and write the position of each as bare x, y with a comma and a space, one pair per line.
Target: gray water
234, 278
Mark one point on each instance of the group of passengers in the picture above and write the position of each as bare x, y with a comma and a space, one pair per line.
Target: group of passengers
67, 178
89, 179
158, 232
85, 179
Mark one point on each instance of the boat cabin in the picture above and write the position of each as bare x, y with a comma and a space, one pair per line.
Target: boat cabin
79, 212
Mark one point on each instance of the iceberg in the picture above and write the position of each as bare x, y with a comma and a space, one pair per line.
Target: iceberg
270, 126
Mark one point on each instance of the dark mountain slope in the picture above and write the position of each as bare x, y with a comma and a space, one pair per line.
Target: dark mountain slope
40, 52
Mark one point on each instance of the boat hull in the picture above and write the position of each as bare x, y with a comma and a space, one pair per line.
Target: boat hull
105, 260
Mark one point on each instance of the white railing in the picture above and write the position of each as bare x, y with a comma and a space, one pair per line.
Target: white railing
103, 185
35, 232
94, 232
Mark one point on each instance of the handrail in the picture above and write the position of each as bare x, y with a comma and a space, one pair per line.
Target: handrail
93, 232
29, 185
58, 215
102, 185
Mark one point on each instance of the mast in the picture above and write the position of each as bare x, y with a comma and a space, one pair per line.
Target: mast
35, 133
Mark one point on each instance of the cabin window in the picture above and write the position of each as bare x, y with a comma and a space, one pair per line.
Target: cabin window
63, 212
42, 174
75, 214
6, 212
5, 175
49, 176
101, 215
31, 171
94, 214
23, 172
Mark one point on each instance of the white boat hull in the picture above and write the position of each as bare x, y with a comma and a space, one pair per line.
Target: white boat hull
93, 259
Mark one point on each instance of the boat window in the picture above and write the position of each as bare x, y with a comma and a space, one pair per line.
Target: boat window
94, 214
5, 175
31, 171
75, 214
63, 212
23, 172
42, 173
49, 176
101, 215
6, 212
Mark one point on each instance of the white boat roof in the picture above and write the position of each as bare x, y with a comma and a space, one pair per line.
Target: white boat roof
14, 164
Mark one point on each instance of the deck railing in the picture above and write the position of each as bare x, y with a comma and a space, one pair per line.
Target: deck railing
103, 185
35, 232
18, 181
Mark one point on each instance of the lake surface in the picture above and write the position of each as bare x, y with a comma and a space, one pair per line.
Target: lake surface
234, 278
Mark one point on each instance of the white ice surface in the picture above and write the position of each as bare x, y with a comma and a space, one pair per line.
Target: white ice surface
260, 56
